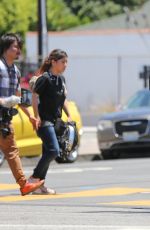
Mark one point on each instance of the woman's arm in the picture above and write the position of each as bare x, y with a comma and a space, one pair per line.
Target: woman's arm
32, 119
35, 108
66, 110
35, 105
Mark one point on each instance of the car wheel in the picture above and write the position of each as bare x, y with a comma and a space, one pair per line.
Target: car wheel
109, 154
2, 157
70, 158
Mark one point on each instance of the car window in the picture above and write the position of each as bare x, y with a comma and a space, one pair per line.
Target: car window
140, 99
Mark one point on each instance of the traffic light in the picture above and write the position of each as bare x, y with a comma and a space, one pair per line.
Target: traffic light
145, 76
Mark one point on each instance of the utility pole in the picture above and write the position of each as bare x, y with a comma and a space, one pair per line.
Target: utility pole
119, 79
42, 31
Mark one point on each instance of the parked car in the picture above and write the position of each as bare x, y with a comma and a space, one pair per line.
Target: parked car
29, 143
127, 129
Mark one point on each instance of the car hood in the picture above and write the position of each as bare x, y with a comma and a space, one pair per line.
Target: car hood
127, 114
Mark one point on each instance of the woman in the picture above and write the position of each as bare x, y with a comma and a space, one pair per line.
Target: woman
51, 91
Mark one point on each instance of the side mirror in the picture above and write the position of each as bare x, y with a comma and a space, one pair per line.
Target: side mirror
26, 97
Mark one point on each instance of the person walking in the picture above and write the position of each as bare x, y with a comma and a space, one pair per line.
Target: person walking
10, 95
48, 100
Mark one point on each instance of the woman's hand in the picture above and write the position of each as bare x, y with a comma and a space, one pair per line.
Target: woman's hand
66, 110
69, 119
34, 121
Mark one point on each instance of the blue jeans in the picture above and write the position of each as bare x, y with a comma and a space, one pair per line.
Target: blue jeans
50, 150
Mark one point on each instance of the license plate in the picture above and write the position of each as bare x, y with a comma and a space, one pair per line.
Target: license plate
130, 136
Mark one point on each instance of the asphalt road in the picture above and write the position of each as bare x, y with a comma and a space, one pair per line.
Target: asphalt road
113, 194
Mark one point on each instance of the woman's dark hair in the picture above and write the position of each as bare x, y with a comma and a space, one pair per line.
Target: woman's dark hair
55, 55
7, 39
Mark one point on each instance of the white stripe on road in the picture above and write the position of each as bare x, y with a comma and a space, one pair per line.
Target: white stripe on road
68, 170
70, 227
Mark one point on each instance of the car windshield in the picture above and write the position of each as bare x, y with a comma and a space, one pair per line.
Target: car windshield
140, 99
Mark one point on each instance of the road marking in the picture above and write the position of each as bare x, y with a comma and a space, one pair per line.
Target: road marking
65, 170
130, 203
9, 186
72, 170
70, 227
84, 193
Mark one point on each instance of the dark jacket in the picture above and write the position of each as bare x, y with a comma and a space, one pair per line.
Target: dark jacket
51, 90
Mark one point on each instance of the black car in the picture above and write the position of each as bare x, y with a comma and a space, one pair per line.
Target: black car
127, 129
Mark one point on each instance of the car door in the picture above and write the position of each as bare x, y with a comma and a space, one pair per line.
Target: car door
28, 142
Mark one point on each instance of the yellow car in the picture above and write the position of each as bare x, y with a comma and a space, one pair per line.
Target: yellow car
29, 143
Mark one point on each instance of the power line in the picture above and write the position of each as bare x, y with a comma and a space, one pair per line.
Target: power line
131, 19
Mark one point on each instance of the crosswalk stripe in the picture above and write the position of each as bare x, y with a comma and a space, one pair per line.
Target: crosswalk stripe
62, 170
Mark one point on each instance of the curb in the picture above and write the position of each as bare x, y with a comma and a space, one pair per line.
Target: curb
89, 157
89, 129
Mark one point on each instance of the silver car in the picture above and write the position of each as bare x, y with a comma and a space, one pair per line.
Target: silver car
127, 129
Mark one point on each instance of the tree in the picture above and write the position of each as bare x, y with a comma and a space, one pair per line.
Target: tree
130, 3
91, 10
21, 16
14, 16
59, 16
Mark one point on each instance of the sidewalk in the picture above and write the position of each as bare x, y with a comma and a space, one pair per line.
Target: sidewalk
89, 146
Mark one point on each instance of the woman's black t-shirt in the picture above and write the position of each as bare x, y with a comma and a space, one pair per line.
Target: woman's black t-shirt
52, 93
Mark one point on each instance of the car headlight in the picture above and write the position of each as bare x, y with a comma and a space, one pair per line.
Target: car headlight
105, 124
